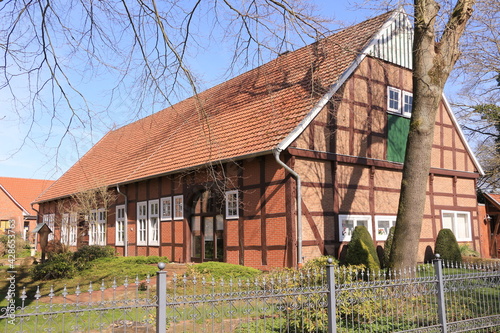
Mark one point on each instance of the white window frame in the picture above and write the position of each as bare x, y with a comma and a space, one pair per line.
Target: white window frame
404, 103
92, 227
69, 229
97, 227
142, 222
154, 222
454, 227
166, 209
345, 234
65, 228
381, 235
120, 225
73, 228
402, 97
389, 107
49, 220
101, 220
178, 210
232, 204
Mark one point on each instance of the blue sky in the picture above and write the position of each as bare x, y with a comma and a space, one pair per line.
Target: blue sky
48, 151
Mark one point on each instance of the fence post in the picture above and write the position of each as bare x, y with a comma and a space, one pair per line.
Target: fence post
438, 268
332, 307
161, 299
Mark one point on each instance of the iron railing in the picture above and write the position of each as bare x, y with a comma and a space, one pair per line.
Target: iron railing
429, 298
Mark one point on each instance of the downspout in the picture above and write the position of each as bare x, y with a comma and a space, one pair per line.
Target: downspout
125, 241
37, 214
277, 152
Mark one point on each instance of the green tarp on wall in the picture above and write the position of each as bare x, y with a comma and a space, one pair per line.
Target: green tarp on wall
397, 135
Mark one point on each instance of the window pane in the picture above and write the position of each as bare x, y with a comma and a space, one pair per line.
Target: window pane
383, 227
178, 207
408, 103
462, 226
448, 221
196, 236
393, 100
365, 223
347, 228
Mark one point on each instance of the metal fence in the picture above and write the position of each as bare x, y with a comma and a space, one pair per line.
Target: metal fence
429, 298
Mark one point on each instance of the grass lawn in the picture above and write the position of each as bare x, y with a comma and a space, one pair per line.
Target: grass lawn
102, 269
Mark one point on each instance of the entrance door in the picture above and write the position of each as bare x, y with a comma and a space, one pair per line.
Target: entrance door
207, 229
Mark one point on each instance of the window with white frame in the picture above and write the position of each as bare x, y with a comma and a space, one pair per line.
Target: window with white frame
101, 228
459, 223
92, 227
178, 207
97, 227
69, 229
347, 223
49, 220
382, 226
73, 228
232, 211
120, 225
142, 219
407, 104
393, 99
154, 223
65, 228
166, 208
399, 101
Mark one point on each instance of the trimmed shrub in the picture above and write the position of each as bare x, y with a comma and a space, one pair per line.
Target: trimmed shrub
59, 266
222, 270
447, 246
88, 253
387, 246
361, 250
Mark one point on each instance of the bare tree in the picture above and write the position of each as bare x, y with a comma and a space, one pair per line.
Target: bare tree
54, 55
86, 205
478, 104
435, 53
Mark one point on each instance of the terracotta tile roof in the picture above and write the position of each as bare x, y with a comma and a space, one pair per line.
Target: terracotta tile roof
24, 190
249, 114
494, 199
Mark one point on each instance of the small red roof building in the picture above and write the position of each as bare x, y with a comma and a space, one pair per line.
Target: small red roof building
16, 196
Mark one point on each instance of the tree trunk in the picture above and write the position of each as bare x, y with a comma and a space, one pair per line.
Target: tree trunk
432, 63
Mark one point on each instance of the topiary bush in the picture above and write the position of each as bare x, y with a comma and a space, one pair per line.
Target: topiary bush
387, 246
361, 250
447, 246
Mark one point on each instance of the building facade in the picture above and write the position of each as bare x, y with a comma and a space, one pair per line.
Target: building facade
278, 165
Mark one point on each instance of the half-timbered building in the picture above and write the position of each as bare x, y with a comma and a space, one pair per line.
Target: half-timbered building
278, 165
